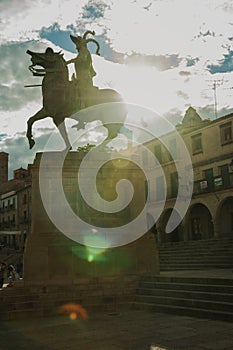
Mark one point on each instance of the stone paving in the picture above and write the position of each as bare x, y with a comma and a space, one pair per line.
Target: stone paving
213, 273
126, 330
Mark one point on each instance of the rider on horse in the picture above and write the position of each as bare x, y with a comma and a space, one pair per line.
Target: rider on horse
62, 98
83, 66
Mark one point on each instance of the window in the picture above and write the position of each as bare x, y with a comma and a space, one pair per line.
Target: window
13, 220
226, 133
173, 149
174, 184
209, 177
12, 203
160, 188
224, 171
158, 153
196, 143
24, 199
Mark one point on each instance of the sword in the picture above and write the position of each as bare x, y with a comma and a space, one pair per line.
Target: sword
32, 85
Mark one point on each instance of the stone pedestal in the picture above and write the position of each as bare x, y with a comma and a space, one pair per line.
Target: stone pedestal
52, 259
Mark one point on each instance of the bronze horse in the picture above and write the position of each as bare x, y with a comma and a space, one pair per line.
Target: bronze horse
61, 98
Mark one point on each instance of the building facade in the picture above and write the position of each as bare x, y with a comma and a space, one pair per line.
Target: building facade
15, 208
210, 145
209, 214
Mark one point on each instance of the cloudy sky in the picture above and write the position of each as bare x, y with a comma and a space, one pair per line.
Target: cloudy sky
162, 54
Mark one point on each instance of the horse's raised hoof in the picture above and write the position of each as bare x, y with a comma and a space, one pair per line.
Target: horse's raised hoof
31, 143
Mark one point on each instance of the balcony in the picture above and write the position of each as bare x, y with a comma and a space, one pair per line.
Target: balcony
8, 208
217, 183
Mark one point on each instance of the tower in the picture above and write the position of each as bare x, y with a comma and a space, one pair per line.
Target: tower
3, 167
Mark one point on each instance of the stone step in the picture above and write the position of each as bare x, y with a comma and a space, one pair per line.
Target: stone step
197, 251
187, 311
197, 247
198, 263
189, 253
203, 264
187, 294
211, 288
193, 280
197, 258
186, 302
202, 242
194, 296
204, 260
184, 267
200, 248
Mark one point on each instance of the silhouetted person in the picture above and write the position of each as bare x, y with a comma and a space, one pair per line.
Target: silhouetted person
83, 66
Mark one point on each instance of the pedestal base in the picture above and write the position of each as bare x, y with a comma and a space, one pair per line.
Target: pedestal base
53, 259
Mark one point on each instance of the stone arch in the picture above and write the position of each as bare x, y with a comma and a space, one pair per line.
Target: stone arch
199, 222
224, 217
176, 235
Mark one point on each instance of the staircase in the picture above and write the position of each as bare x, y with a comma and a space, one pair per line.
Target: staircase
180, 292
210, 298
196, 255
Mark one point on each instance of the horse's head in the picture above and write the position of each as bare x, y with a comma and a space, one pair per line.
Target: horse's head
46, 59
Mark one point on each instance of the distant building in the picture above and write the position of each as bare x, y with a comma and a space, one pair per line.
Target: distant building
15, 206
210, 145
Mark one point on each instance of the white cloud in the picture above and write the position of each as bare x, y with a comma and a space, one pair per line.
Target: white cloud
22, 20
170, 27
163, 91
194, 29
167, 27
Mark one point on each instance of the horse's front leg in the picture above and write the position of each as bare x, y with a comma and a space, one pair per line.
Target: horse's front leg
38, 116
60, 123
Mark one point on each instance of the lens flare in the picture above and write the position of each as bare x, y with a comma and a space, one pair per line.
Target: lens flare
73, 316
89, 253
90, 257
94, 253
74, 311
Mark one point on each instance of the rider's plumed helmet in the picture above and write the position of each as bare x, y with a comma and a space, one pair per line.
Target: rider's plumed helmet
82, 41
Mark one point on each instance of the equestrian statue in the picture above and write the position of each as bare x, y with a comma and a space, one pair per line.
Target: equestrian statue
62, 97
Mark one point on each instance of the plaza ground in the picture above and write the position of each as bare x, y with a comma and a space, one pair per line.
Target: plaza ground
123, 330
126, 330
